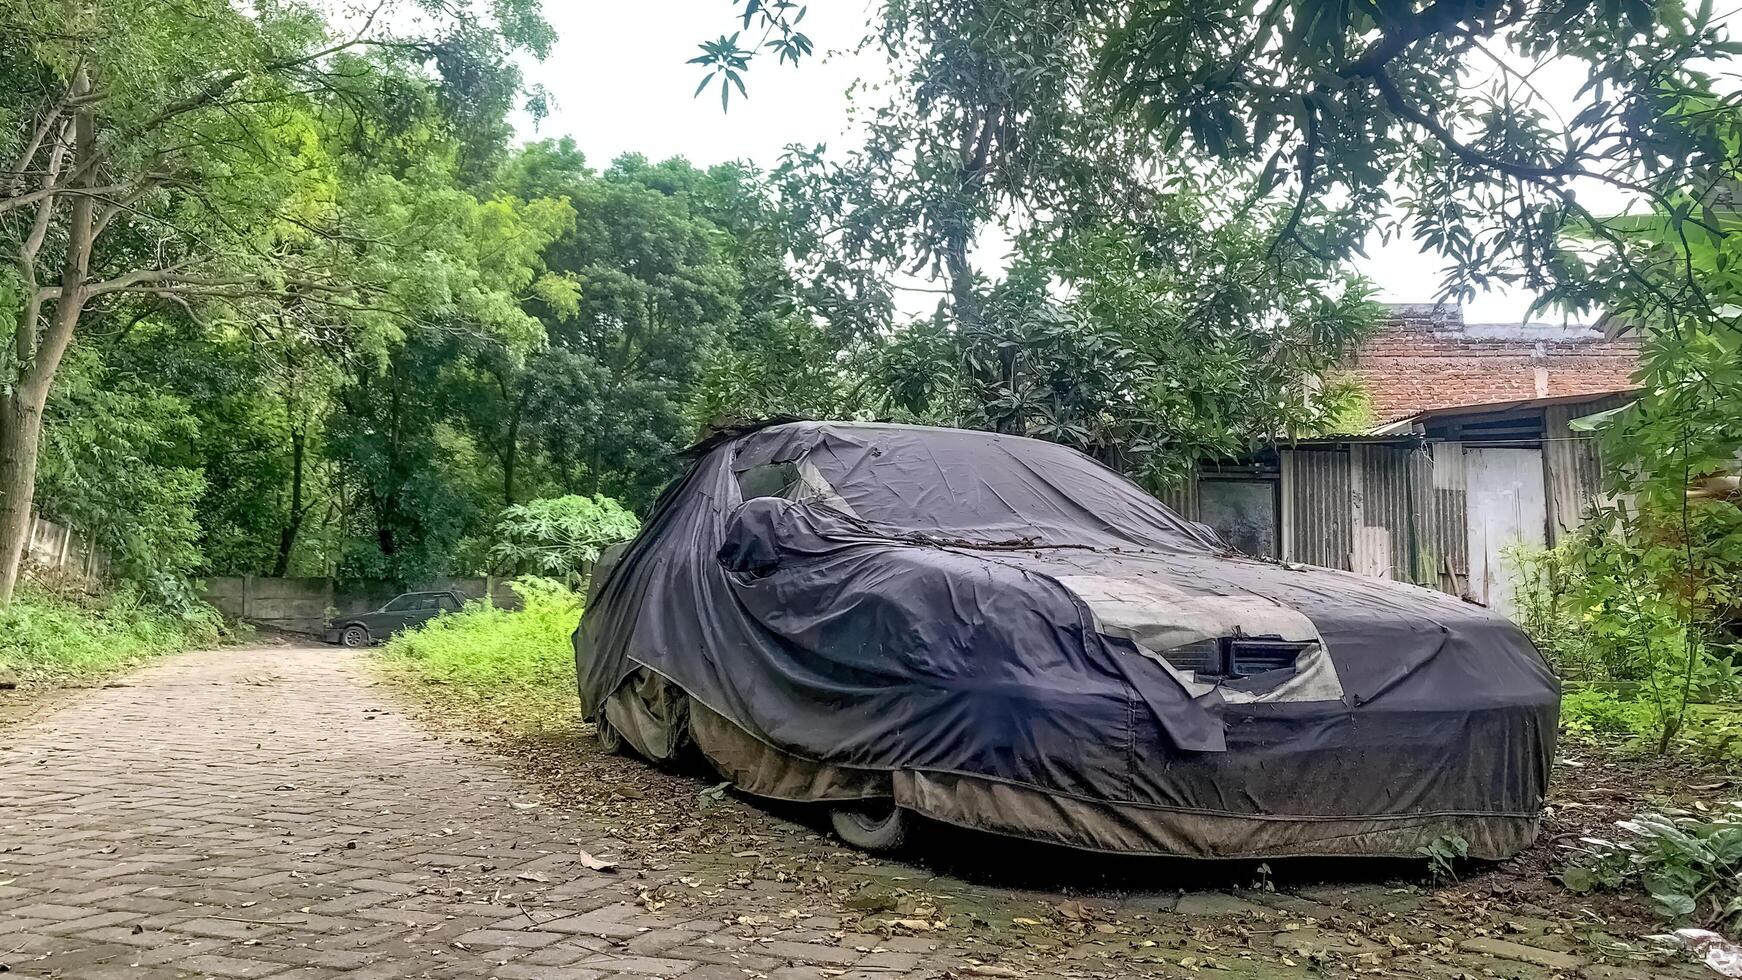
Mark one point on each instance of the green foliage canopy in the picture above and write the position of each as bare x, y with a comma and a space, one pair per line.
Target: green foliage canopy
561, 537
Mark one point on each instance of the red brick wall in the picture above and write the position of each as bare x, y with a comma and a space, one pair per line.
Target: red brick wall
1425, 357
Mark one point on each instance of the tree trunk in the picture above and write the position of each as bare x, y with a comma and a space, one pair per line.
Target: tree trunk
39, 344
511, 451
20, 428
508, 458
293, 523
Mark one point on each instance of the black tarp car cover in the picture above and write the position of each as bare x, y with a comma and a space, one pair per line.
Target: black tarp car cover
1002, 633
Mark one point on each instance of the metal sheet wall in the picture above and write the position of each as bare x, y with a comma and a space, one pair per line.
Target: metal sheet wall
1381, 511
1448, 519
1572, 465
1395, 511
1183, 499
1316, 492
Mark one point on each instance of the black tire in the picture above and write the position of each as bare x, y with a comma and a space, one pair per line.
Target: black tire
876, 825
355, 635
610, 739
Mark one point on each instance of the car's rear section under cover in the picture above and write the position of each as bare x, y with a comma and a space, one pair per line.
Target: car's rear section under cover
1061, 682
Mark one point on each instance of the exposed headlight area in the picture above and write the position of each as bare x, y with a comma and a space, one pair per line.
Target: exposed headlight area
1236, 657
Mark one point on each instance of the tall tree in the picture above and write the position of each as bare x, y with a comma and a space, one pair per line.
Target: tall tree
656, 290
164, 151
464, 287
1136, 278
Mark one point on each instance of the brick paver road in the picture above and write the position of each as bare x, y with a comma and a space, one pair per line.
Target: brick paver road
266, 814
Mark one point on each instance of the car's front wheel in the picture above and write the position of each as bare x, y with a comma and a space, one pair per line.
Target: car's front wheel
610, 739
874, 825
355, 636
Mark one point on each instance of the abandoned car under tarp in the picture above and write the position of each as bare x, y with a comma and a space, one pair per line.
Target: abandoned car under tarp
1003, 634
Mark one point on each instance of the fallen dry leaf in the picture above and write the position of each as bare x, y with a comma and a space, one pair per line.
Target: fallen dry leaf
592, 863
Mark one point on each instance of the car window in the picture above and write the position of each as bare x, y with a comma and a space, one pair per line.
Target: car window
767, 480
401, 604
448, 603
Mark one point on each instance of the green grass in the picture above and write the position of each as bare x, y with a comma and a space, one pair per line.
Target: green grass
1712, 732
60, 638
501, 669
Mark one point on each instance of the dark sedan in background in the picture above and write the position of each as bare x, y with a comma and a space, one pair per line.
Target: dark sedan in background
402, 612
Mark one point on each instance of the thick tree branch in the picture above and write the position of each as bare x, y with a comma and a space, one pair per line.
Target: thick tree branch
38, 365
1408, 111
44, 193
36, 139
1308, 162
1438, 18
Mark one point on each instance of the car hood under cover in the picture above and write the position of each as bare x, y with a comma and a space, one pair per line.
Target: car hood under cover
1028, 656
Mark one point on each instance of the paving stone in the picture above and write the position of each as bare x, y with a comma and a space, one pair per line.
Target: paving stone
1311, 940
808, 952
889, 960
18, 926
122, 971
601, 922
507, 937
657, 941
170, 950
292, 830
219, 965
526, 971
1505, 949
52, 912
1216, 904
636, 966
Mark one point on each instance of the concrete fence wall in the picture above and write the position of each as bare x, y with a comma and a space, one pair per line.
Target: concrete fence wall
61, 548
301, 605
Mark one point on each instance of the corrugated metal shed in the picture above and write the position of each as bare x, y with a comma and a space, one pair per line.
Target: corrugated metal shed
1572, 464
1183, 499
1315, 507
1397, 505
1447, 519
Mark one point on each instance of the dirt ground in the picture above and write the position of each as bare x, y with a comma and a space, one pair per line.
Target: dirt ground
1040, 909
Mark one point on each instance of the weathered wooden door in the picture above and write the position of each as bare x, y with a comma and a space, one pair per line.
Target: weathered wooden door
1507, 508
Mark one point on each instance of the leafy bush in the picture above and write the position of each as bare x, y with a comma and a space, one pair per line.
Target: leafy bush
513, 668
1619, 602
1549, 611
1690, 864
561, 536
51, 637
103, 443
1713, 733
1597, 712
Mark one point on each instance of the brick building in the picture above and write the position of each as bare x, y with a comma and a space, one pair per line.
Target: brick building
1472, 453
1426, 357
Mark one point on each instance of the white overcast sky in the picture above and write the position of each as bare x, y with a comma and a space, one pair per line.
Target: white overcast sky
620, 84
